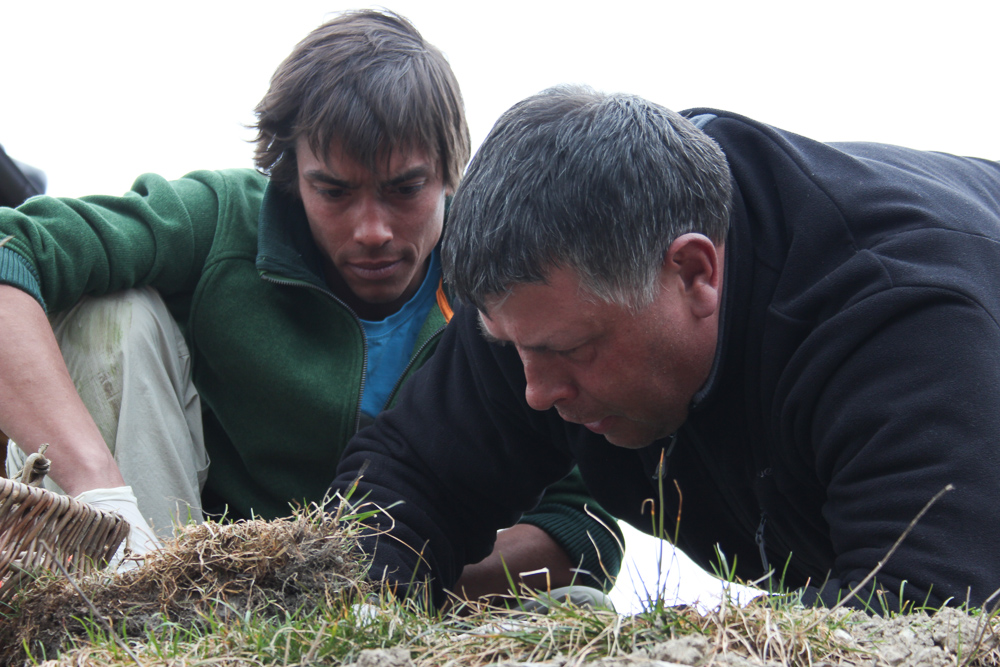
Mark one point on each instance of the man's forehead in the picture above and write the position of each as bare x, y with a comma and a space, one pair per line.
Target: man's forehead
386, 163
535, 314
484, 328
489, 328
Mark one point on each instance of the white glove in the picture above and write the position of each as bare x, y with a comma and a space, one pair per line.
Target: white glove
141, 539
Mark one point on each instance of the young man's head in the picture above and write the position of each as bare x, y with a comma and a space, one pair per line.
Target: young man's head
365, 122
589, 232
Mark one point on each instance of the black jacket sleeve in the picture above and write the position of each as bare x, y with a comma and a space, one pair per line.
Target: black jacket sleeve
459, 457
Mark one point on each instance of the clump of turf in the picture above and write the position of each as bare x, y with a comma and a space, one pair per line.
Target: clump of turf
208, 570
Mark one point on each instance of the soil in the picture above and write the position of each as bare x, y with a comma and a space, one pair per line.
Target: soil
270, 567
949, 638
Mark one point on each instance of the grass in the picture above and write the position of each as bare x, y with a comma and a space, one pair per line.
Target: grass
344, 634
291, 593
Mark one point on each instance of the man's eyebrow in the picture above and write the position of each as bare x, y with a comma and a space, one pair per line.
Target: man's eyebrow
490, 338
409, 174
323, 177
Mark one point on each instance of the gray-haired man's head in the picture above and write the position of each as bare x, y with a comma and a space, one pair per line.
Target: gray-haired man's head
573, 178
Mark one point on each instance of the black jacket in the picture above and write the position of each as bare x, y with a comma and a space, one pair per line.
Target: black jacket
858, 373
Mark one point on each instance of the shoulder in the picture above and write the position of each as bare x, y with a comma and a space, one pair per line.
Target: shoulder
228, 182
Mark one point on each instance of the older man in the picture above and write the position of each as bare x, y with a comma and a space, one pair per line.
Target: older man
788, 347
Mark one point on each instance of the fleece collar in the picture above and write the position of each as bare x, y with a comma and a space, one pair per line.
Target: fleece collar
285, 245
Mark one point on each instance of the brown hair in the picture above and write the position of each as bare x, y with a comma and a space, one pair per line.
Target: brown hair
370, 81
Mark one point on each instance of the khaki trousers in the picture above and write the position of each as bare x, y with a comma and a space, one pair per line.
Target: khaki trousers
132, 368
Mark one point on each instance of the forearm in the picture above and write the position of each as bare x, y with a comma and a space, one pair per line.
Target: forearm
525, 555
588, 534
39, 404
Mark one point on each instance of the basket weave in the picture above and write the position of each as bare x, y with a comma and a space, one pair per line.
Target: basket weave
81, 537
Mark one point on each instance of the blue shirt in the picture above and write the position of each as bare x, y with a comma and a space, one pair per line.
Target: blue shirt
390, 341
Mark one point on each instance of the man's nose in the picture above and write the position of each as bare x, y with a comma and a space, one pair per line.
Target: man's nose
371, 226
547, 386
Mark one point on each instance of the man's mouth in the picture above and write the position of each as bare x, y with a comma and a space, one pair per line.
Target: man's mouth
375, 269
601, 426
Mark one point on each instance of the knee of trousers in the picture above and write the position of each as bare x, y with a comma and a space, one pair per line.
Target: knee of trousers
103, 339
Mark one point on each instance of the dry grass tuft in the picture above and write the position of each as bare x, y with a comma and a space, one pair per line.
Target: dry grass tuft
209, 571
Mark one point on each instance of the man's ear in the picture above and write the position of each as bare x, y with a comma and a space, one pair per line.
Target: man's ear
694, 264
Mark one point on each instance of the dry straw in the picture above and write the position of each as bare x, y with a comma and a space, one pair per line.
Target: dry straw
251, 570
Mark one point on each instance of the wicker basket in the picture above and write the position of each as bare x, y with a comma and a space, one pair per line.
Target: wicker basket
80, 537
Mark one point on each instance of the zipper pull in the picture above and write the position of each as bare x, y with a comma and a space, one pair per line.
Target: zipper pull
661, 467
759, 539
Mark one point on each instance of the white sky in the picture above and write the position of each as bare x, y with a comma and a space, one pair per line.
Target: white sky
95, 93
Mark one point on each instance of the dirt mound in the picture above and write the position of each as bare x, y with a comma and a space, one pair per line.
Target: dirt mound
262, 566
946, 638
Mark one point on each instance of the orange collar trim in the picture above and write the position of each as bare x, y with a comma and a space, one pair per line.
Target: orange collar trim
442, 302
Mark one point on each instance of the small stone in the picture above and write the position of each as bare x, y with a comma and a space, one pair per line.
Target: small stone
895, 654
842, 635
380, 657
687, 650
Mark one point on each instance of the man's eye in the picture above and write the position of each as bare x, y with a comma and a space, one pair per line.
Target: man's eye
409, 189
332, 193
578, 353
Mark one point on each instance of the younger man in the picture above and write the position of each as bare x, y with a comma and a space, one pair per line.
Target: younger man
297, 302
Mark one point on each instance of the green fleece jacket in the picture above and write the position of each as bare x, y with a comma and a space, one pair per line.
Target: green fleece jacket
279, 361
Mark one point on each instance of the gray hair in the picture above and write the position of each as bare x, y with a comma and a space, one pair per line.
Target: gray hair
600, 184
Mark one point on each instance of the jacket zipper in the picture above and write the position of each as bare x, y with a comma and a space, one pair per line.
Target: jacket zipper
736, 509
357, 320
759, 539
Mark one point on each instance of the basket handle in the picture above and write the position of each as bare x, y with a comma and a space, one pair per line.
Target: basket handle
36, 467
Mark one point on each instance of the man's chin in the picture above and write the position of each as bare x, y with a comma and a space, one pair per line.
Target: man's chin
630, 436
628, 441
619, 431
379, 293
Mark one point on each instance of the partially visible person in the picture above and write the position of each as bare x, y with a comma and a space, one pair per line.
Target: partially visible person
258, 319
18, 181
789, 347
